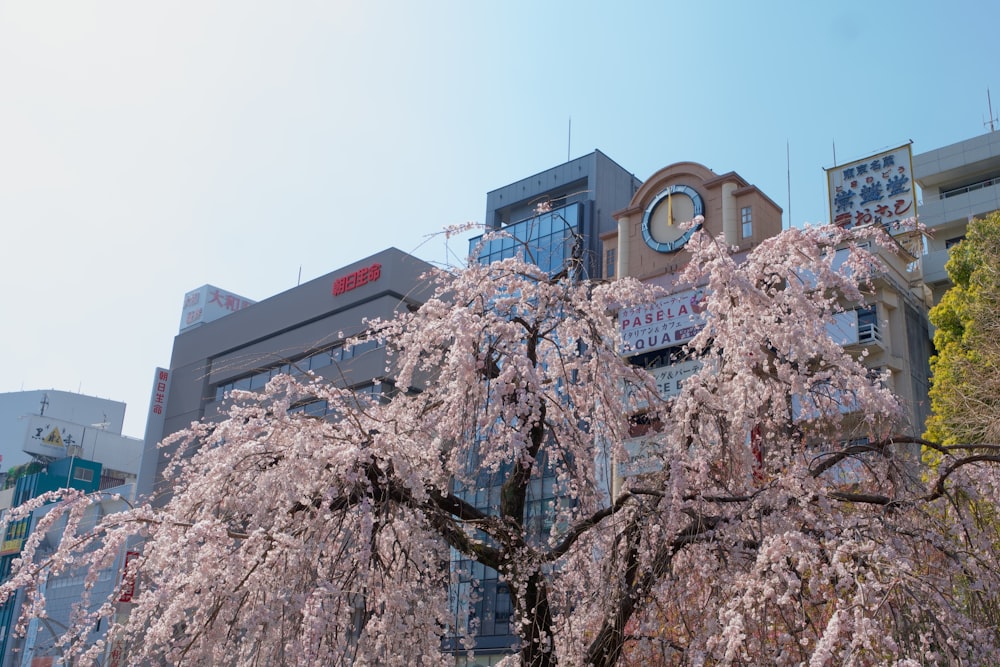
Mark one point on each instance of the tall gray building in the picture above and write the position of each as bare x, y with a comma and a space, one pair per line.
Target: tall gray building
297, 330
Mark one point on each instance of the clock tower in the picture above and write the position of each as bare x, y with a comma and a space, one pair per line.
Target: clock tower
672, 206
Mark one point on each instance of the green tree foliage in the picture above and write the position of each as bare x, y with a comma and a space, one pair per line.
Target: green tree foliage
965, 395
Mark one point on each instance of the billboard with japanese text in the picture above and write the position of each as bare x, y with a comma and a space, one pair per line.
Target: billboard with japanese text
875, 191
672, 320
49, 437
209, 303
670, 377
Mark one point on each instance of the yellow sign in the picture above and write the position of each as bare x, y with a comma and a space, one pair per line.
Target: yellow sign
13, 546
54, 438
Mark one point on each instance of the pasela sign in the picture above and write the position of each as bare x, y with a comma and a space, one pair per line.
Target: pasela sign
673, 320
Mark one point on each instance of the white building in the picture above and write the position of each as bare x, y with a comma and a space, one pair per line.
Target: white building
959, 182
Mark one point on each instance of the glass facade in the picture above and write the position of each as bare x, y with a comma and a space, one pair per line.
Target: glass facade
257, 381
480, 602
546, 240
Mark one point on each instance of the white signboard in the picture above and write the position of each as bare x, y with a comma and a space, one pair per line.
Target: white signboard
674, 320
875, 191
669, 378
208, 303
50, 437
644, 457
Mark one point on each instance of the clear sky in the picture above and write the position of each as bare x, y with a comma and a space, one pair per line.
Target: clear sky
149, 148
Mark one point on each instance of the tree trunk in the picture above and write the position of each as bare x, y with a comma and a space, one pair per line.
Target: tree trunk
535, 618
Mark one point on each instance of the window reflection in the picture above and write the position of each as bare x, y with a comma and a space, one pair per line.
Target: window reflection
546, 240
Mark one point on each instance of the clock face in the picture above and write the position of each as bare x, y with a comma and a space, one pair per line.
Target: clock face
661, 223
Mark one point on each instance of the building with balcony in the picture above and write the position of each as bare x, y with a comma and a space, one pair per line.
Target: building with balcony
889, 331
958, 182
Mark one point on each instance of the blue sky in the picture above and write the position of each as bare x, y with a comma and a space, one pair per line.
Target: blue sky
149, 148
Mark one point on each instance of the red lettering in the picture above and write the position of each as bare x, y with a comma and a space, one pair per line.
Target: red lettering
369, 274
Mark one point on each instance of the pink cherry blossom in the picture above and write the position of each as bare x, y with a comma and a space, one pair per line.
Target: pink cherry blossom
295, 540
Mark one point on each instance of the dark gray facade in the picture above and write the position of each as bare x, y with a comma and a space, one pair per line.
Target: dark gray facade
579, 198
595, 181
296, 330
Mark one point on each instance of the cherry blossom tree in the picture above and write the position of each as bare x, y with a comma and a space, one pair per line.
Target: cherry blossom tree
782, 523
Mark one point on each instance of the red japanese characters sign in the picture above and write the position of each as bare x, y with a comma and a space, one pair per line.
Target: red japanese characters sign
128, 579
159, 397
355, 279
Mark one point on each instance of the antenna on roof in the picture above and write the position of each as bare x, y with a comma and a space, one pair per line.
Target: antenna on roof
788, 168
992, 121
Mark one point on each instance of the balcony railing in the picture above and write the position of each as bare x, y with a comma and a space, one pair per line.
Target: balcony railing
868, 333
954, 192
856, 327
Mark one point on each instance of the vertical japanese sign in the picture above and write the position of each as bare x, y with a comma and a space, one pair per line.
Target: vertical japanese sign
154, 431
877, 190
127, 593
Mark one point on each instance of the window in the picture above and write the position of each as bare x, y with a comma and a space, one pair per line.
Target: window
83, 474
609, 263
260, 380
746, 216
951, 243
